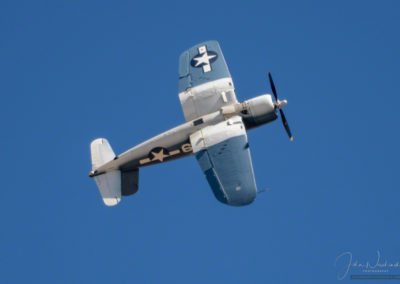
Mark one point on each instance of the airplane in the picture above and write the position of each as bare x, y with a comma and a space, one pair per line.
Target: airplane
214, 132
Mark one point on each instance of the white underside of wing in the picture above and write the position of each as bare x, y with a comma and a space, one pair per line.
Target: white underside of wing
214, 134
207, 98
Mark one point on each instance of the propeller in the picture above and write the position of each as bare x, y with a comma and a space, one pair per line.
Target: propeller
280, 104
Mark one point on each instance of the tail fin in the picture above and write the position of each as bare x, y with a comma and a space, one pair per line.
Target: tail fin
108, 183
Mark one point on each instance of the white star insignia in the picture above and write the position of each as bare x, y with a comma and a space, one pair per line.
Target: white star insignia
204, 59
159, 156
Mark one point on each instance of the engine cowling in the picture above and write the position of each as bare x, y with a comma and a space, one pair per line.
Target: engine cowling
258, 111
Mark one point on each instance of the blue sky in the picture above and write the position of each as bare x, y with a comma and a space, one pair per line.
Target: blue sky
72, 71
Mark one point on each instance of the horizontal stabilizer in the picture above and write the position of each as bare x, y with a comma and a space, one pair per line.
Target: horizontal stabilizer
109, 183
110, 187
101, 152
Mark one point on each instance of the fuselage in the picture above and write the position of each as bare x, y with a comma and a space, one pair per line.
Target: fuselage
175, 143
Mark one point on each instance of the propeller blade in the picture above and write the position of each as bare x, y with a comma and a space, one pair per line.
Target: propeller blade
286, 124
272, 86
284, 121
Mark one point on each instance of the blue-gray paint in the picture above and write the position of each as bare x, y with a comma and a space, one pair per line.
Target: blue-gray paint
212, 179
190, 76
227, 166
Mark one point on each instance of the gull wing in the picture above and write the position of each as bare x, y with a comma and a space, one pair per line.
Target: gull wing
205, 84
223, 153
